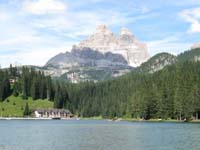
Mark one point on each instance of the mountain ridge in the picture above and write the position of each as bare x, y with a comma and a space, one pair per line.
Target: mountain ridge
81, 65
101, 52
161, 60
126, 44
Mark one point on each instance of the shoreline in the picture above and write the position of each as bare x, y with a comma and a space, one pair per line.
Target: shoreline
140, 120
33, 118
99, 118
161, 120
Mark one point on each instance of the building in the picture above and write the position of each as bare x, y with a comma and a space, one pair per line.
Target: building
52, 113
13, 80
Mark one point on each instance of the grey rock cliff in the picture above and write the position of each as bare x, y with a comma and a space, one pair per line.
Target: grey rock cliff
126, 44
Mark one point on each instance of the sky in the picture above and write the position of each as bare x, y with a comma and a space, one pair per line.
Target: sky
33, 31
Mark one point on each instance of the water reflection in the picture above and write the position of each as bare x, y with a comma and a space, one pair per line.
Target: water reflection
97, 135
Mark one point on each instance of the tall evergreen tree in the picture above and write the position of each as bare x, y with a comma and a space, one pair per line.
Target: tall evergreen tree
26, 110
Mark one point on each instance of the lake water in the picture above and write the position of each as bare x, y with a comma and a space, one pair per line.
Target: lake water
97, 135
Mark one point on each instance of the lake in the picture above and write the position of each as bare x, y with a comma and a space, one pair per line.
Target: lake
97, 135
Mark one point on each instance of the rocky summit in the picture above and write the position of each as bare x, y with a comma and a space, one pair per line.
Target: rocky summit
126, 44
102, 56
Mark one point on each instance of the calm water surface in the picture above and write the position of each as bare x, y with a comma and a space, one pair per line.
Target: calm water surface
97, 135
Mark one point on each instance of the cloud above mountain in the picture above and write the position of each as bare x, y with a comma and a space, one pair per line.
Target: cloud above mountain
42, 28
41, 7
192, 16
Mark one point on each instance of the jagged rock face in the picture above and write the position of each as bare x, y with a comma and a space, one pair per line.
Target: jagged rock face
86, 57
86, 64
102, 40
196, 45
134, 51
126, 44
157, 62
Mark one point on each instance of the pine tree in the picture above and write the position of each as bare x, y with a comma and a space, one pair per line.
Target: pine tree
34, 89
26, 110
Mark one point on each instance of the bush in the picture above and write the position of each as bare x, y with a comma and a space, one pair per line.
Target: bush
16, 94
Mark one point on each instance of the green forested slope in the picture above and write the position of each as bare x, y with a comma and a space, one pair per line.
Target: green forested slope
170, 93
193, 54
157, 62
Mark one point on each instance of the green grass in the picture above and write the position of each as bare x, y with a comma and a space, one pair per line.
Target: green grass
14, 106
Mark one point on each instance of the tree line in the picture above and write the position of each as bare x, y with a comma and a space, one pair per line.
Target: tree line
171, 93
27, 82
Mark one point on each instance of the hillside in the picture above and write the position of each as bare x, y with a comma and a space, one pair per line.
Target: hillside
163, 94
28, 85
157, 62
161, 60
89, 73
193, 55
14, 106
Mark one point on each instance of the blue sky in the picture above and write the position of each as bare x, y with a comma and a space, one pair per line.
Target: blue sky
32, 31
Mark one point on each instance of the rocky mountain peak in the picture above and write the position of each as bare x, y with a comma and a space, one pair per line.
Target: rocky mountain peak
125, 31
102, 29
102, 39
125, 44
126, 38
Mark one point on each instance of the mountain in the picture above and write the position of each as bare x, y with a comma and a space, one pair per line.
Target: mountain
191, 55
157, 62
126, 44
86, 64
102, 56
86, 57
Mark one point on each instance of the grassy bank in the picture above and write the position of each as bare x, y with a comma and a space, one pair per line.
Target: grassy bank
14, 106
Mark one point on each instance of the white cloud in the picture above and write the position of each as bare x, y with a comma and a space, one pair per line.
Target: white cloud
20, 39
82, 23
170, 44
193, 17
44, 7
33, 56
40, 29
3, 17
31, 49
